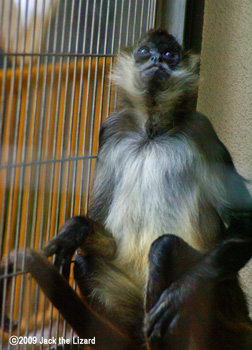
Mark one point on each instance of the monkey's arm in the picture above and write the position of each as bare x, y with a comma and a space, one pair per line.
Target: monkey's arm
224, 187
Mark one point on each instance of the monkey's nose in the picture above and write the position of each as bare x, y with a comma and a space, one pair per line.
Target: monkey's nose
157, 58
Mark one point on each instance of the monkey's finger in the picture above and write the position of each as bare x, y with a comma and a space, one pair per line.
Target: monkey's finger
169, 325
161, 327
153, 321
160, 307
63, 262
173, 328
60, 257
66, 267
51, 249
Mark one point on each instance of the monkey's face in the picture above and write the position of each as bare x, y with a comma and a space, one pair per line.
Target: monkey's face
157, 56
156, 66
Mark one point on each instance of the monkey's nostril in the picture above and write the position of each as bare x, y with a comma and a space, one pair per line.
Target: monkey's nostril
156, 58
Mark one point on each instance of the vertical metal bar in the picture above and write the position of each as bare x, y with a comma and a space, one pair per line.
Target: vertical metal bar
120, 42
29, 170
78, 114
21, 291
50, 106
37, 151
89, 149
87, 99
111, 65
114, 26
13, 177
43, 121
4, 173
59, 91
97, 50
104, 65
121, 22
148, 16
94, 98
128, 22
43, 146
56, 118
40, 204
58, 104
7, 152
80, 99
134, 22
1, 22
69, 137
77, 122
141, 18
153, 14
4, 71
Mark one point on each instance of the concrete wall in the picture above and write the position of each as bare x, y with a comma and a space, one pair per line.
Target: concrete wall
225, 93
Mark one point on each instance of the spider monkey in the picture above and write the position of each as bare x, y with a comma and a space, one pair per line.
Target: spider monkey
169, 224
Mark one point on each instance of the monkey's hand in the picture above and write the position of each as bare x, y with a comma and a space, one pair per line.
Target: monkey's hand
170, 314
72, 236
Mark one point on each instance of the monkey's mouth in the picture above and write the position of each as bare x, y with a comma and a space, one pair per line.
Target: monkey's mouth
155, 71
156, 67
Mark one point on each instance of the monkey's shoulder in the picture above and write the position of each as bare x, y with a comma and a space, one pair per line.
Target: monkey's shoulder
199, 129
195, 125
117, 126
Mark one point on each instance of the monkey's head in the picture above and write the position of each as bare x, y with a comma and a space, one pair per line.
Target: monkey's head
157, 56
156, 65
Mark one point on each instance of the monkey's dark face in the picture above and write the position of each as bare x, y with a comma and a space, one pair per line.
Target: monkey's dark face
157, 56
156, 67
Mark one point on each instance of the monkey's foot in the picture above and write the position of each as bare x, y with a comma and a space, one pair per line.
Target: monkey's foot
169, 316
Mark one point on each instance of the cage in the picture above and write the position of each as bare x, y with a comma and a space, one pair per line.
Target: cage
55, 60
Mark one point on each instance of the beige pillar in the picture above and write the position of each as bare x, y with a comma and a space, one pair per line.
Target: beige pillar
225, 92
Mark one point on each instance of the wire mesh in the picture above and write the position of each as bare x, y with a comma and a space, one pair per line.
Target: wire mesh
55, 56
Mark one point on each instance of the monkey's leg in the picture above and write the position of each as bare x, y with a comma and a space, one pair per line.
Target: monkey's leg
170, 257
85, 322
207, 294
112, 293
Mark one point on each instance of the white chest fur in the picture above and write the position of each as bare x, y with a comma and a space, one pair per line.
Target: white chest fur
155, 186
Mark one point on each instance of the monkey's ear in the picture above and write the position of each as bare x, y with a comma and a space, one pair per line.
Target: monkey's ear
191, 60
126, 50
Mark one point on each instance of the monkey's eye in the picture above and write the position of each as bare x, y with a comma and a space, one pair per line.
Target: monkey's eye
144, 50
169, 54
